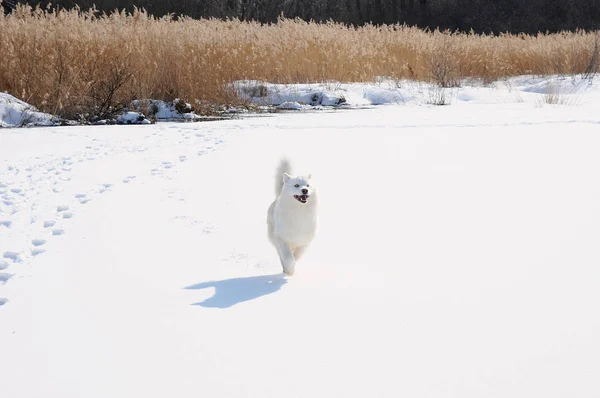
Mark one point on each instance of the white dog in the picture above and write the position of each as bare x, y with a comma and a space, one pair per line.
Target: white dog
292, 217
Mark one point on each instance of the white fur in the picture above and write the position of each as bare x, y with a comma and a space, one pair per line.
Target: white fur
291, 224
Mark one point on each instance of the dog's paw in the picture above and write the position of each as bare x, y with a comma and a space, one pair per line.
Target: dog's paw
289, 269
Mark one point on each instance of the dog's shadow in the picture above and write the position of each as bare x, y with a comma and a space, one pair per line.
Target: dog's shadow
233, 291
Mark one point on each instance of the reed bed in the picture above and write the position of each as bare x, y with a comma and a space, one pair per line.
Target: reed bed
73, 62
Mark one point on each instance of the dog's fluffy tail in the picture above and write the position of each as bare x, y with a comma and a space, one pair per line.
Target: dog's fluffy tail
283, 167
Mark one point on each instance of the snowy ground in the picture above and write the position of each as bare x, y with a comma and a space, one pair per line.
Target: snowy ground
457, 255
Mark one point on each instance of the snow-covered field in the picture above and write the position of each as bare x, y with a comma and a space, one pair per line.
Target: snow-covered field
457, 253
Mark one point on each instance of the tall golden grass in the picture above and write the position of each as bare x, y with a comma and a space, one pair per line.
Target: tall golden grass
65, 61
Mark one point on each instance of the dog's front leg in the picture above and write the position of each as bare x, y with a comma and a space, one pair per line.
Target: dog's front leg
286, 256
299, 252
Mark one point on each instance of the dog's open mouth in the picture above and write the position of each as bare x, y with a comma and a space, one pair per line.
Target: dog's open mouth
301, 198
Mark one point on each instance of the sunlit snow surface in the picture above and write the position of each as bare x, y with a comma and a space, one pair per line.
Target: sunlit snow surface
457, 254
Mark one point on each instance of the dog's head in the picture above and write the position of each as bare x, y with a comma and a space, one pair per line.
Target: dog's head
299, 187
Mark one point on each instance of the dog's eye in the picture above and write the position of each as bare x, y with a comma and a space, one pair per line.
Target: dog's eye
297, 186
307, 186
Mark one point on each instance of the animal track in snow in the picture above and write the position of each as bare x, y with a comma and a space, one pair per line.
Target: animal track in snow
4, 277
32, 190
191, 221
105, 187
12, 256
37, 250
83, 198
38, 242
3, 301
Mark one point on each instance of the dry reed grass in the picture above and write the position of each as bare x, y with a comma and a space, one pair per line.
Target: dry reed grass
75, 62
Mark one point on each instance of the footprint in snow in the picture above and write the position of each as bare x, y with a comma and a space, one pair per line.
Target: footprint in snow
3, 301
38, 242
12, 256
4, 277
3, 265
37, 250
128, 179
182, 158
60, 208
48, 224
5, 223
167, 165
67, 215
83, 199
105, 187
58, 231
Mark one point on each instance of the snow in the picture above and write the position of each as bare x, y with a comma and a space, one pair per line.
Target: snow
16, 113
162, 110
132, 118
456, 254
387, 91
292, 106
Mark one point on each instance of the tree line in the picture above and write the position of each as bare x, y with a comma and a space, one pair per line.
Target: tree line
480, 16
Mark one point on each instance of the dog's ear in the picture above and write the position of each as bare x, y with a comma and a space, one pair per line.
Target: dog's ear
286, 177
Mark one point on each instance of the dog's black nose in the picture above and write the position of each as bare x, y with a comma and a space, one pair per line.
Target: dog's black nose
304, 191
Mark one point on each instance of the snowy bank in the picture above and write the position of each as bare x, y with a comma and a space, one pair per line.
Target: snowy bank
16, 113
554, 90
540, 90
